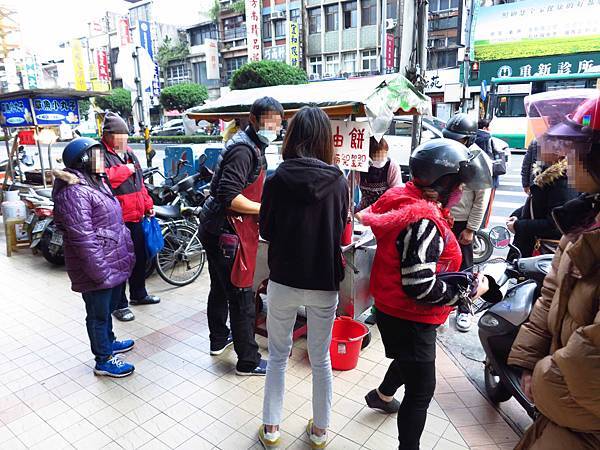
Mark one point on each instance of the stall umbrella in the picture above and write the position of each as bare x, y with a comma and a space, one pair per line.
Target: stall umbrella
372, 99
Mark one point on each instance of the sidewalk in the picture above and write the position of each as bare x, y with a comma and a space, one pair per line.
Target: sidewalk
180, 396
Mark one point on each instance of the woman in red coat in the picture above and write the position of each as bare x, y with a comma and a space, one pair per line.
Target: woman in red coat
415, 243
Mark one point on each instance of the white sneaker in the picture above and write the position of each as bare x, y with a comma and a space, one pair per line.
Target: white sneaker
316, 442
464, 322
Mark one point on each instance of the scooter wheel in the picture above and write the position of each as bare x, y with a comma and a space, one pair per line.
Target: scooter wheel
494, 387
482, 247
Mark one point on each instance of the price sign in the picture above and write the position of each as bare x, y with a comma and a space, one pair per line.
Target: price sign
351, 145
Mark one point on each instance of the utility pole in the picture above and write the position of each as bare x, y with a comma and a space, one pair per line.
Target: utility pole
467, 60
421, 63
383, 36
139, 102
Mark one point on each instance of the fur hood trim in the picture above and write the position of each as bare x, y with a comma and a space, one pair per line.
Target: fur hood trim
544, 177
68, 177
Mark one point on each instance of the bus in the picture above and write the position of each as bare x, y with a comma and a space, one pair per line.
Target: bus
506, 107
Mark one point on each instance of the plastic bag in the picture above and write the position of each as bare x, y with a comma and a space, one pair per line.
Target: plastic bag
153, 236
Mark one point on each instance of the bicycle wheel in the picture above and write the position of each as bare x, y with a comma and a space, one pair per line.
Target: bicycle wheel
182, 258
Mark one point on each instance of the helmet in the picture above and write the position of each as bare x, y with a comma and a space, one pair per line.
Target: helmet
460, 126
582, 125
440, 157
75, 149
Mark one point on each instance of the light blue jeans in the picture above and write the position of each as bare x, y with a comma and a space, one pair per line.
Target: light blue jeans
282, 303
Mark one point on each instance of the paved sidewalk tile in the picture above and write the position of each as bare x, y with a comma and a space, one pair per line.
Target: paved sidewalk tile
180, 396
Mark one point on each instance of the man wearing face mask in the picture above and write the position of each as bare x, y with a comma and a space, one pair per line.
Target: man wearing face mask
125, 176
470, 210
229, 234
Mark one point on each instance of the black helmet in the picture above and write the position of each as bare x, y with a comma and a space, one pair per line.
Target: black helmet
441, 157
76, 149
460, 126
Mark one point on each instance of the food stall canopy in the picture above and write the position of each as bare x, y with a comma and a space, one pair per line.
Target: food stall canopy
63, 92
379, 98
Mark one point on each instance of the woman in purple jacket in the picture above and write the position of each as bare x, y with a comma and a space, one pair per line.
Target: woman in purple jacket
98, 249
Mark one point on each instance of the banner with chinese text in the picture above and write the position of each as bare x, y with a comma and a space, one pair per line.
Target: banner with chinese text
390, 50
294, 45
146, 43
78, 65
212, 59
351, 145
124, 32
253, 36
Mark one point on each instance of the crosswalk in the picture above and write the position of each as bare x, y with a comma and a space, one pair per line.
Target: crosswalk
509, 195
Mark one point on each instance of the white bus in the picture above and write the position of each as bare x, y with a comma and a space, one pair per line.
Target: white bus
506, 107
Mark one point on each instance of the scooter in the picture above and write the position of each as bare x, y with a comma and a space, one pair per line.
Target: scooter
499, 325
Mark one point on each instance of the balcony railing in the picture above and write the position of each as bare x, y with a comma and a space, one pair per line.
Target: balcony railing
234, 33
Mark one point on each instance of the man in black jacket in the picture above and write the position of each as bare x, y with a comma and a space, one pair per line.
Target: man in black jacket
229, 234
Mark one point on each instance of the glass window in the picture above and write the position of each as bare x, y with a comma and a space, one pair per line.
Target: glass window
316, 65
314, 20
369, 60
266, 27
198, 36
349, 62
295, 15
331, 18
233, 64
443, 23
442, 59
234, 28
350, 14
392, 9
368, 12
510, 106
403, 128
332, 65
177, 74
280, 28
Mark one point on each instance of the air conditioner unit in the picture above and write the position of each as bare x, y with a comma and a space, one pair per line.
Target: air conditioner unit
313, 76
390, 24
277, 15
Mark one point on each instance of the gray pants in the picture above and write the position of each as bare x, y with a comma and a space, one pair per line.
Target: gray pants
283, 303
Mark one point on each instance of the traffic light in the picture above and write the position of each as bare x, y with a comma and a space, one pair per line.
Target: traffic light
474, 70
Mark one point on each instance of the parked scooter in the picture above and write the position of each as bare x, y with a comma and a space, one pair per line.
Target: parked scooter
499, 325
44, 234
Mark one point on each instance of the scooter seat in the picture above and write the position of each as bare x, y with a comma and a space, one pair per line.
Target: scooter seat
167, 211
47, 192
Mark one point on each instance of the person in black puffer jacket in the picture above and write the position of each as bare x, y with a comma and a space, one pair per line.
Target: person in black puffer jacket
303, 213
533, 221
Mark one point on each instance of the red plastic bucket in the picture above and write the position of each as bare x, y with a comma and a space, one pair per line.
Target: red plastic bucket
346, 341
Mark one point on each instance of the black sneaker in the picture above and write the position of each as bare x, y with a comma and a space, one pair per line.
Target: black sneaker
259, 371
124, 315
218, 349
374, 402
147, 300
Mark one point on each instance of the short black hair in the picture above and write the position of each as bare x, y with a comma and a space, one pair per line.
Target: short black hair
483, 123
264, 105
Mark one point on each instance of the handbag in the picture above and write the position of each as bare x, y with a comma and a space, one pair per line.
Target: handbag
152, 236
544, 246
499, 162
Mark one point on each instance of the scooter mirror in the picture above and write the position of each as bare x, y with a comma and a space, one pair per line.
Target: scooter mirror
500, 237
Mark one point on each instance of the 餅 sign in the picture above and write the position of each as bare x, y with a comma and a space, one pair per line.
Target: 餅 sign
532, 28
15, 113
253, 19
351, 144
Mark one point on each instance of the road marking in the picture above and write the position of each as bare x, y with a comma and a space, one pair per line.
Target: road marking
511, 193
500, 204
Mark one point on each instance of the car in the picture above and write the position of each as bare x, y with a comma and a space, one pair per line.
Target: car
399, 138
172, 127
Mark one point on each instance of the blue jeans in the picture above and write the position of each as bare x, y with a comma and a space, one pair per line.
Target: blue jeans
99, 305
137, 280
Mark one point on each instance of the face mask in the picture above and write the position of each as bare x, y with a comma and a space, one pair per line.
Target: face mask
454, 198
379, 163
266, 136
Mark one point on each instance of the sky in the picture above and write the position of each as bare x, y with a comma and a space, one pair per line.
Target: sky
44, 24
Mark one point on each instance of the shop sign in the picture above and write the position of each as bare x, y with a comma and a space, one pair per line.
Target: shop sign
351, 145
146, 42
253, 36
436, 80
390, 50
55, 111
124, 32
78, 65
212, 59
15, 113
294, 45
275, 53
540, 66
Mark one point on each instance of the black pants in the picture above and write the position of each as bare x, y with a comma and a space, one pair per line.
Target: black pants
467, 256
98, 320
137, 280
412, 346
224, 299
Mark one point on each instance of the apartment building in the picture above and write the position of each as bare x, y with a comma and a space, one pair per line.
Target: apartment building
344, 38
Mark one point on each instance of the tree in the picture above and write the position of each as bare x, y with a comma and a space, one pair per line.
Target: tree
84, 108
266, 73
170, 51
183, 96
118, 101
